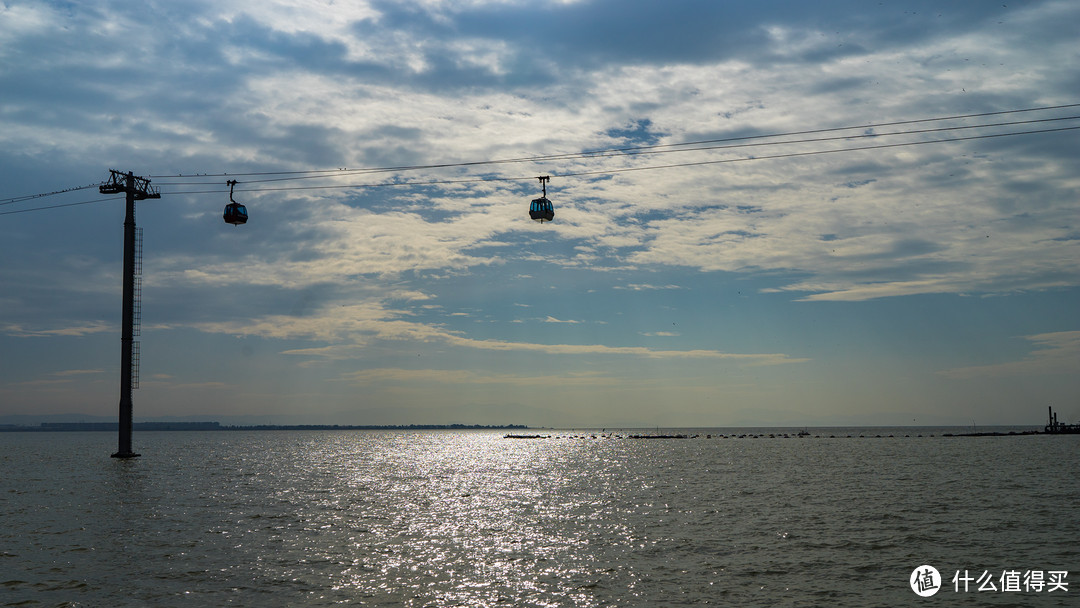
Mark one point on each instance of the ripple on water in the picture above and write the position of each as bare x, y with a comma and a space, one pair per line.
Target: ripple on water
471, 519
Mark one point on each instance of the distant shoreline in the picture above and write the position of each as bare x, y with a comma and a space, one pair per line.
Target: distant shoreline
61, 427
515, 429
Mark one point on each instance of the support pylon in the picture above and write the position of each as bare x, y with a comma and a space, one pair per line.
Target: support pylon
137, 189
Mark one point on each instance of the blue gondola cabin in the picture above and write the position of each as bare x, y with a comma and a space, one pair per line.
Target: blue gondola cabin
235, 214
542, 210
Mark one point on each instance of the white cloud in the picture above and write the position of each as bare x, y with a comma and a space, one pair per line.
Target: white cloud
18, 20
646, 287
242, 86
78, 372
637, 351
352, 328
610, 222
74, 331
468, 377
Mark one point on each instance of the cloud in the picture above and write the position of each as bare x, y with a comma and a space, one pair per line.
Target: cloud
43, 383
74, 331
637, 351
165, 384
308, 98
351, 271
78, 372
356, 322
352, 328
1057, 353
859, 293
59, 379
467, 377
645, 287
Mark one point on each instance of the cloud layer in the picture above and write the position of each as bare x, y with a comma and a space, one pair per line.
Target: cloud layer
337, 267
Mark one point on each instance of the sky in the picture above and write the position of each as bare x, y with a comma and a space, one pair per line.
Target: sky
750, 281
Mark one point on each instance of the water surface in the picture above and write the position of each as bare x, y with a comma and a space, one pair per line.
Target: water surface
472, 519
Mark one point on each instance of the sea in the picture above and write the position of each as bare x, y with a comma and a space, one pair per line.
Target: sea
728, 517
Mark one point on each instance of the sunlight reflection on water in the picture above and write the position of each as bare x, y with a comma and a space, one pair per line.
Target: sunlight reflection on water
472, 519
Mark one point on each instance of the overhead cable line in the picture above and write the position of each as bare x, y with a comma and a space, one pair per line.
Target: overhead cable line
641, 168
866, 126
19, 199
640, 150
812, 153
438, 182
655, 149
100, 200
649, 150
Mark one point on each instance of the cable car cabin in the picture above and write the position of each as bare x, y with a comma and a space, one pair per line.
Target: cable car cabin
542, 210
235, 214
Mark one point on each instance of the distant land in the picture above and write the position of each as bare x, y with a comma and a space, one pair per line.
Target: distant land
217, 426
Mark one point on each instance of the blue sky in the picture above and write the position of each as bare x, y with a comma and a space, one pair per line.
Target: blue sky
919, 284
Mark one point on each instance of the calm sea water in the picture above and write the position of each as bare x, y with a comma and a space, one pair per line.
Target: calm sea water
473, 519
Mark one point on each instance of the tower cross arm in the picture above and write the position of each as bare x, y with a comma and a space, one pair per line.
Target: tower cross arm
128, 183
